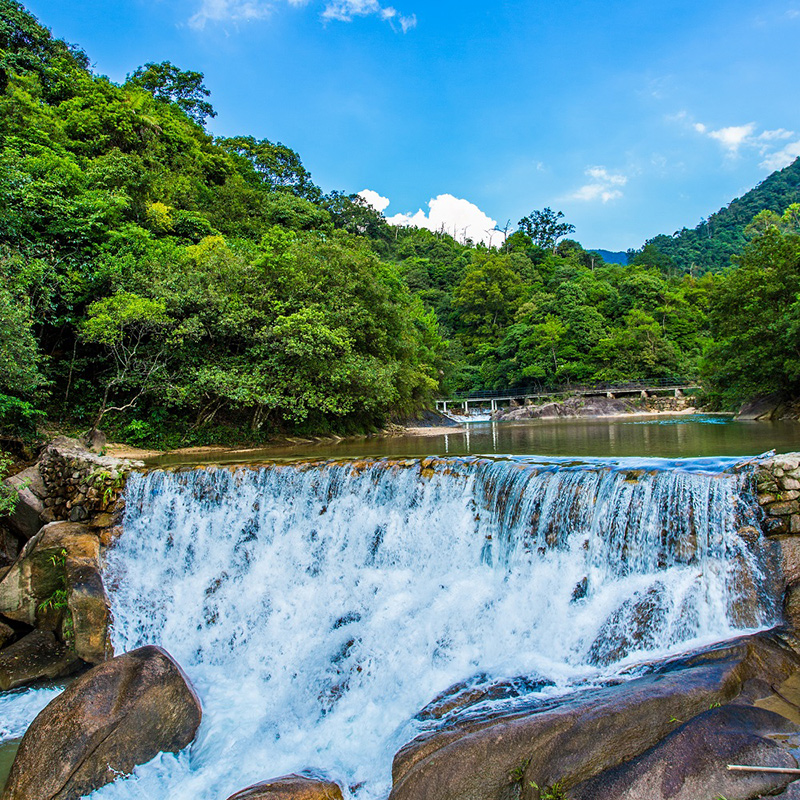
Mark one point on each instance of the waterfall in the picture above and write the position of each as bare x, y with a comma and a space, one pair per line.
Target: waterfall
318, 607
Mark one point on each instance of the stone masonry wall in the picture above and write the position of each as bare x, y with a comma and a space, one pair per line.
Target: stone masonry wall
778, 487
80, 486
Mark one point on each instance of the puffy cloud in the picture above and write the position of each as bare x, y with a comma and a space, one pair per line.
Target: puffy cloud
374, 199
446, 213
732, 137
604, 185
221, 11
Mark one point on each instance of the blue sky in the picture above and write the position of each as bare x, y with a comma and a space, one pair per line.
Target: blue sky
633, 118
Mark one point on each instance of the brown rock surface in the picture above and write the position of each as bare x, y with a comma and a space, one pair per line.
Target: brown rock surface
40, 570
578, 737
37, 655
89, 607
291, 787
692, 761
119, 714
30, 489
6, 634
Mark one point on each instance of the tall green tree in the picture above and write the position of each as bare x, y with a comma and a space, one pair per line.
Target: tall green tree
184, 88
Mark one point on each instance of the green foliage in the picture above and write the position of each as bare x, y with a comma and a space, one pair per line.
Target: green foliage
544, 229
58, 598
554, 792
755, 316
8, 496
168, 83
710, 246
187, 289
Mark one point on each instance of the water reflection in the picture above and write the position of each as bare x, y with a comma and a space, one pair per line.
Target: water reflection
693, 436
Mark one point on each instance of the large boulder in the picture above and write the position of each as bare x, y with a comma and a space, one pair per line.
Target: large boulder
761, 408
573, 739
28, 484
87, 625
291, 787
691, 762
35, 656
56, 584
119, 714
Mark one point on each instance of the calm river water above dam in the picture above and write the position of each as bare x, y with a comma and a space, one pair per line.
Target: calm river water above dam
693, 436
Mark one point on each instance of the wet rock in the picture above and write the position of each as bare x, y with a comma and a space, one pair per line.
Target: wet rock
95, 441
581, 590
791, 605
784, 509
692, 761
466, 694
38, 580
88, 605
35, 656
291, 787
583, 735
31, 492
790, 558
119, 714
9, 547
792, 792
6, 634
629, 628
762, 408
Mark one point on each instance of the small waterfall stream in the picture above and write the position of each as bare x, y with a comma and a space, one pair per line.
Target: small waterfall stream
318, 608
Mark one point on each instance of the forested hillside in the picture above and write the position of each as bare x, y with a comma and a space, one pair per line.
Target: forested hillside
710, 246
173, 288
154, 278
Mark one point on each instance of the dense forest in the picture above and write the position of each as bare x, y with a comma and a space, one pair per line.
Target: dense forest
710, 246
173, 288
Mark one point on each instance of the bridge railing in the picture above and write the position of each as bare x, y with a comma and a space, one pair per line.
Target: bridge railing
575, 388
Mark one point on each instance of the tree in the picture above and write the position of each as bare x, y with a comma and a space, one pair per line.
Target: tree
544, 228
276, 166
172, 85
755, 317
133, 330
20, 378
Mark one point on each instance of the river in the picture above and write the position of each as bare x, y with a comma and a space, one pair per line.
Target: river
679, 436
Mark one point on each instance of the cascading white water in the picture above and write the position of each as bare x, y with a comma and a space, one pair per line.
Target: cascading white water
318, 608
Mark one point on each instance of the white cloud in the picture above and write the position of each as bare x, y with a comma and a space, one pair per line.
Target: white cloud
736, 139
603, 186
374, 199
779, 133
221, 11
448, 214
407, 23
733, 137
347, 10
781, 158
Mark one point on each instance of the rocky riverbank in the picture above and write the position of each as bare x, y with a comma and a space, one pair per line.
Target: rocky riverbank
574, 407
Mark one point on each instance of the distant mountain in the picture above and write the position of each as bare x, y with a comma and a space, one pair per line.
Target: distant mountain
709, 246
612, 256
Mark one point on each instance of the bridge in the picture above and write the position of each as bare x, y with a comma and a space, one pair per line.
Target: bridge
521, 396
